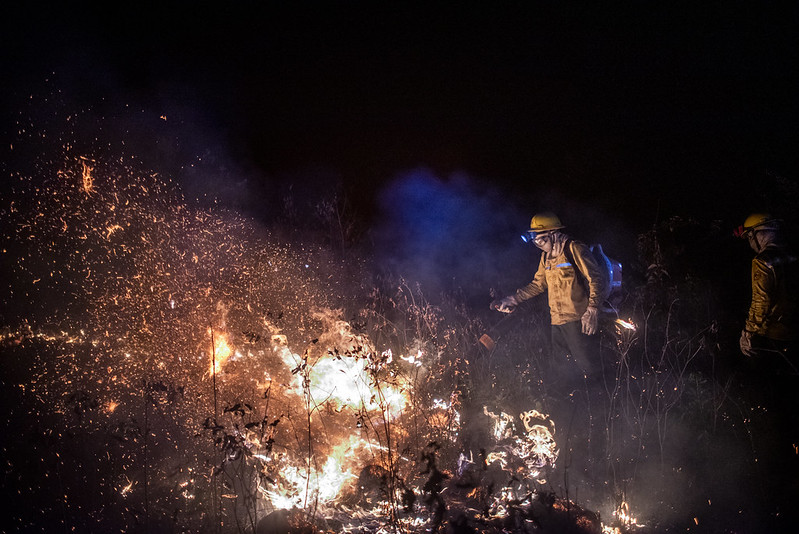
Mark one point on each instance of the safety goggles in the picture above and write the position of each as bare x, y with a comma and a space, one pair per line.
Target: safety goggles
538, 238
746, 233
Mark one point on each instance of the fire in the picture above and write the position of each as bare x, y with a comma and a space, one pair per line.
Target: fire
415, 360
622, 517
539, 448
344, 375
296, 485
623, 514
503, 424
314, 410
526, 456
220, 351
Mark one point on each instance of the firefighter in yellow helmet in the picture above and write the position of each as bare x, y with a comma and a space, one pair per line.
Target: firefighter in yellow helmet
574, 284
771, 378
773, 320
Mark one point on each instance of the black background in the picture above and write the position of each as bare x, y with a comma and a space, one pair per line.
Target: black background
637, 108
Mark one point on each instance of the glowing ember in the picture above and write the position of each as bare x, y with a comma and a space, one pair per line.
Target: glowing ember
538, 449
503, 424
125, 490
526, 457
622, 513
88, 181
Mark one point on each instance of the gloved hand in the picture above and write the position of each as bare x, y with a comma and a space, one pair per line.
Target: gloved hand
505, 305
590, 320
746, 343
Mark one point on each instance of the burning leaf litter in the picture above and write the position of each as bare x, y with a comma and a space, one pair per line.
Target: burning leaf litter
209, 364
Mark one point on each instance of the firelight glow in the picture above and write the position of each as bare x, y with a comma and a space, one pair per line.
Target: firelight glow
138, 300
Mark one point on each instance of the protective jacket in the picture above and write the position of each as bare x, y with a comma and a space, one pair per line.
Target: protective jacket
570, 288
774, 311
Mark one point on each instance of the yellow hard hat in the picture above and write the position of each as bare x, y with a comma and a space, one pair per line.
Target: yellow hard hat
763, 221
544, 222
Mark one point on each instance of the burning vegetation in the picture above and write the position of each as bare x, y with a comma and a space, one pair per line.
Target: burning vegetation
170, 367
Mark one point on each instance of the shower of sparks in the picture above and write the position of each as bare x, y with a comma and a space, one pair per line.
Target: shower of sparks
208, 363
129, 301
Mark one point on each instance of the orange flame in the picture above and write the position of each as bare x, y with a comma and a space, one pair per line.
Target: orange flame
220, 351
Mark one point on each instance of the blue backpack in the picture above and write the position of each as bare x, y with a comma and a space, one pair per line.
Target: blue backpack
610, 269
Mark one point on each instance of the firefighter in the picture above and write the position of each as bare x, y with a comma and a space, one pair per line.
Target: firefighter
772, 381
771, 326
574, 284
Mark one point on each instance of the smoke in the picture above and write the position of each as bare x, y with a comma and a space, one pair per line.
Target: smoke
450, 234
459, 233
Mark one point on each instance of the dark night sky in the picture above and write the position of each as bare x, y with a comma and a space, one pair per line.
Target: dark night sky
636, 108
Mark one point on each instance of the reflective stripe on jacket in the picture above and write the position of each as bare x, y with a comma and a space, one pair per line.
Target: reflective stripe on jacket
557, 276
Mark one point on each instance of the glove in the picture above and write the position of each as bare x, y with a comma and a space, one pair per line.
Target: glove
505, 305
746, 343
590, 319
